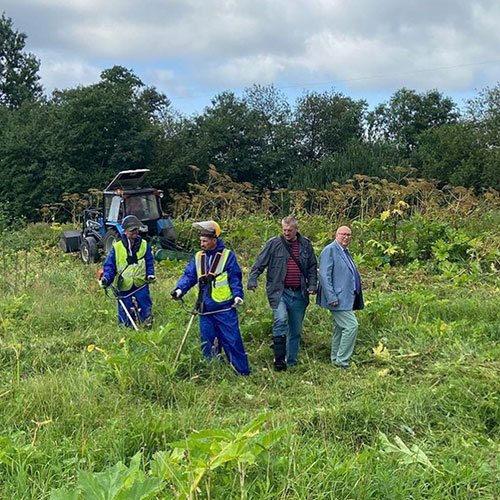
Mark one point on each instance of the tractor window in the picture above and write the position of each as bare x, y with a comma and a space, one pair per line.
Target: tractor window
114, 209
144, 206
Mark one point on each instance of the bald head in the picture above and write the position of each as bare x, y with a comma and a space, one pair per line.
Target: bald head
343, 236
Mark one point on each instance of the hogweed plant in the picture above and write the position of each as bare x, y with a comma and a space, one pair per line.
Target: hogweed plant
190, 469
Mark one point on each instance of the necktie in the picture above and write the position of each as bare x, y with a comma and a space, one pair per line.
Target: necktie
357, 277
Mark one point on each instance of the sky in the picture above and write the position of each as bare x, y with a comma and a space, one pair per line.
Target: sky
194, 49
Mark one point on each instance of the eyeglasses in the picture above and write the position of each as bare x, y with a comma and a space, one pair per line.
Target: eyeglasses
345, 235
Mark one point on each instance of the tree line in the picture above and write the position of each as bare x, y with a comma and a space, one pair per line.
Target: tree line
79, 138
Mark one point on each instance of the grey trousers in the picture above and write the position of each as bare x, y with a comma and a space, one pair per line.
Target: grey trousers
345, 331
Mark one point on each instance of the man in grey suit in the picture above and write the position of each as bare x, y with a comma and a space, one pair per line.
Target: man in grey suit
340, 292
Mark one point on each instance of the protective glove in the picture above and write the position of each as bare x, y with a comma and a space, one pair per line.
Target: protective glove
151, 278
103, 282
238, 301
176, 294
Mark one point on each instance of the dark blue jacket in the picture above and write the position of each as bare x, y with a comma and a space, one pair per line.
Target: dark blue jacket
234, 275
109, 266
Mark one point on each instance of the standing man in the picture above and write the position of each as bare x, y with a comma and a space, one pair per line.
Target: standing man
291, 278
129, 267
340, 292
220, 290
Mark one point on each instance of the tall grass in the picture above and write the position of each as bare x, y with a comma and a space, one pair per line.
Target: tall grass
77, 393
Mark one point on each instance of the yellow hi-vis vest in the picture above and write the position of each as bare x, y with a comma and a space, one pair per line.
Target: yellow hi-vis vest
220, 285
134, 274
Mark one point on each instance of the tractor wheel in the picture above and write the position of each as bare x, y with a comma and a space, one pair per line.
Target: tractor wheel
88, 250
110, 238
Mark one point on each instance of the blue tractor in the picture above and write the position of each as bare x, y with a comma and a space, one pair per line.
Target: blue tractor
102, 226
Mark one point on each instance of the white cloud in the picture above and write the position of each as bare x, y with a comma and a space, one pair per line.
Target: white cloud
61, 73
242, 70
221, 43
167, 81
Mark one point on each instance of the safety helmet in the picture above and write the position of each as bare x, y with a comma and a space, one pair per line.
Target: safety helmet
208, 228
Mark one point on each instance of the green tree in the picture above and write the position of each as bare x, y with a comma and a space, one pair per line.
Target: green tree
107, 127
483, 113
228, 134
357, 157
79, 139
274, 116
453, 154
325, 123
30, 176
407, 115
19, 80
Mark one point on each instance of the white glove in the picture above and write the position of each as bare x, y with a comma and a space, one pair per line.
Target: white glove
238, 301
151, 278
176, 294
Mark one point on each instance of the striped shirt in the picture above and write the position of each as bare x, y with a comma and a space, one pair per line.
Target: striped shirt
292, 278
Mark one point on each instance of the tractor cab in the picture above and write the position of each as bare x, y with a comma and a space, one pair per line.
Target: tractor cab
124, 196
102, 226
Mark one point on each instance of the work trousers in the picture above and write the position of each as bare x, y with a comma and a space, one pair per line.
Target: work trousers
345, 331
224, 327
288, 318
139, 305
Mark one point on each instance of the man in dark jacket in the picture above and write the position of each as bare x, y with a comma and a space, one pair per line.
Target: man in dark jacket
218, 276
291, 278
129, 267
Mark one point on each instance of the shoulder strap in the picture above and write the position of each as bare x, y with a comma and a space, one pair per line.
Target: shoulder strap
214, 268
289, 249
201, 260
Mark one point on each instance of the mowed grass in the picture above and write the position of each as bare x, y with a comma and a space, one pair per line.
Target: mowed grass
79, 393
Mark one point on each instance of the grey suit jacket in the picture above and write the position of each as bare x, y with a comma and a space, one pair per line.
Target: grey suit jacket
336, 280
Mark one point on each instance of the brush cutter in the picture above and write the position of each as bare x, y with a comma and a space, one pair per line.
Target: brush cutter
116, 296
194, 312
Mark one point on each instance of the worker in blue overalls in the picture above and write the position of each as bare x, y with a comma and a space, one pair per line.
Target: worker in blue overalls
129, 267
220, 291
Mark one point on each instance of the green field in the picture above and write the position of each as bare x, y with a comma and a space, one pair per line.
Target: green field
417, 415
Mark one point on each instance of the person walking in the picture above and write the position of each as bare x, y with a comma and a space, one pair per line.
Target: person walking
291, 278
220, 290
340, 292
129, 268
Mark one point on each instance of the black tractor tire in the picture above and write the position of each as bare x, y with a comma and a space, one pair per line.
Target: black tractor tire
88, 250
110, 238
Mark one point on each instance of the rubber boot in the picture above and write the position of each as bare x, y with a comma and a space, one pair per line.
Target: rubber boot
279, 347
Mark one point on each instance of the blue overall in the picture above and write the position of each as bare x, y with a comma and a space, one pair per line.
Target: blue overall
221, 325
138, 304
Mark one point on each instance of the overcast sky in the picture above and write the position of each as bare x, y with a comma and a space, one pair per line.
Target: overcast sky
193, 49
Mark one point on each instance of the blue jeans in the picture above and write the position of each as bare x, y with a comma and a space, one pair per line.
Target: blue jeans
288, 317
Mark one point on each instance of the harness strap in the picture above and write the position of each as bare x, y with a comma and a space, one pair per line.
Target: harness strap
214, 268
203, 265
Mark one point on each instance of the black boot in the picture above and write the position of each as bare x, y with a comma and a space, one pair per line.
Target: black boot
279, 347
